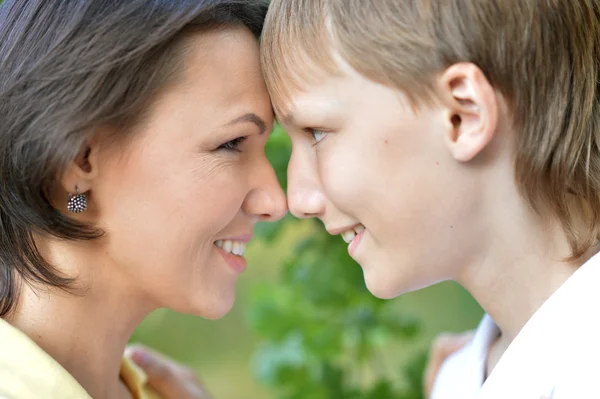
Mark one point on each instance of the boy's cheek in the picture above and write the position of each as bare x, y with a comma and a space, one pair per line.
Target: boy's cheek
342, 177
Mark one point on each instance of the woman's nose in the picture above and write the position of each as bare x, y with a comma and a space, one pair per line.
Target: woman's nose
266, 199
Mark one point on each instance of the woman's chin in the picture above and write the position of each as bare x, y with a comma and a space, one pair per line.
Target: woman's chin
215, 314
211, 308
219, 308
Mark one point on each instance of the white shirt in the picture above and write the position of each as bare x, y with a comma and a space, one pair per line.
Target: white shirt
555, 355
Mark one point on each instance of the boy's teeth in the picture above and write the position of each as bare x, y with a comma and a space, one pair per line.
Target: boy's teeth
359, 229
233, 247
349, 235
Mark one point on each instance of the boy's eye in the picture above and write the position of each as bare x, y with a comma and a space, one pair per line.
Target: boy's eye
233, 145
317, 134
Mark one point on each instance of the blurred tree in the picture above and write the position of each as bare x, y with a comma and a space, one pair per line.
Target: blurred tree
323, 334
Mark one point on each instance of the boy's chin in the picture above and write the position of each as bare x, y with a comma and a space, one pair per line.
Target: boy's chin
385, 286
381, 287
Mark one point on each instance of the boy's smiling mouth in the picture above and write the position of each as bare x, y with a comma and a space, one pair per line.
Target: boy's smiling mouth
350, 234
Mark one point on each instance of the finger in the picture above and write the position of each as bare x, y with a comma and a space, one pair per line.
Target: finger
443, 346
162, 373
169, 378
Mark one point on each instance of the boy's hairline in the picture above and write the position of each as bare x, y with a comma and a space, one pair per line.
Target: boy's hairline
340, 68
302, 61
307, 68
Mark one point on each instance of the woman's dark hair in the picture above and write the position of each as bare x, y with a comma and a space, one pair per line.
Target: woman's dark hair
66, 67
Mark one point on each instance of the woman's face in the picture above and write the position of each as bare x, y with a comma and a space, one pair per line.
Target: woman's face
381, 176
180, 201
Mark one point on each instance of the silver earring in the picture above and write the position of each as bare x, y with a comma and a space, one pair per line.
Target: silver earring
77, 203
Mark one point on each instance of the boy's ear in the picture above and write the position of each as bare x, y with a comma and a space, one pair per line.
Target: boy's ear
81, 173
472, 110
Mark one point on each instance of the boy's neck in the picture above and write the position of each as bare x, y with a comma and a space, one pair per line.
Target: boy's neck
520, 265
495, 352
512, 296
86, 333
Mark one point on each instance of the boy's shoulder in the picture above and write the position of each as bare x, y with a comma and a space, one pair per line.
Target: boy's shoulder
556, 354
462, 373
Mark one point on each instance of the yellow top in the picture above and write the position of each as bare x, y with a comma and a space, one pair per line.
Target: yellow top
27, 372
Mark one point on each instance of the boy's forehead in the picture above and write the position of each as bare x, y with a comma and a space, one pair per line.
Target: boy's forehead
295, 55
320, 90
317, 104
292, 89
295, 86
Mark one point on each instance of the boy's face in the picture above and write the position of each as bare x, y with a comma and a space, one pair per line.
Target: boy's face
363, 159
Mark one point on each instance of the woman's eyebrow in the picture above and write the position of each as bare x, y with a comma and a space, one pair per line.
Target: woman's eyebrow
250, 118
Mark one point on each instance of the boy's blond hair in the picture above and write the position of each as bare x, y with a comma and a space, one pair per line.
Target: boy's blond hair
543, 56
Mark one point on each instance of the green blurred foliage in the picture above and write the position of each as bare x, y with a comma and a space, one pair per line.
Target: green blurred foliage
322, 332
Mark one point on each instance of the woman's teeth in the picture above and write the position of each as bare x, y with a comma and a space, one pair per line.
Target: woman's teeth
349, 235
233, 247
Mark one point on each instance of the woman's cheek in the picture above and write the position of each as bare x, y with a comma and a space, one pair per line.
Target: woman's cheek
223, 198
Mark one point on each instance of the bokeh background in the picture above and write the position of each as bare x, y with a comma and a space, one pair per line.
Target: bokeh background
304, 326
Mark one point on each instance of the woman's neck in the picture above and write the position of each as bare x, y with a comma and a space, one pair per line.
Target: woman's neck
85, 332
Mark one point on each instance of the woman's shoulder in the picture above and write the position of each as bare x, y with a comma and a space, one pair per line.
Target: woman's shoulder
26, 371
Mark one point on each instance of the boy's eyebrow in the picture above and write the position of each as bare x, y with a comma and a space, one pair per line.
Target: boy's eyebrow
288, 116
324, 112
251, 118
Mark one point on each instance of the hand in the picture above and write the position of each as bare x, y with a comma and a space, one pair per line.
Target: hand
443, 346
169, 379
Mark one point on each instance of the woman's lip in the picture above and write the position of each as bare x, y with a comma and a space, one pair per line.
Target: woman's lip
353, 246
245, 238
237, 263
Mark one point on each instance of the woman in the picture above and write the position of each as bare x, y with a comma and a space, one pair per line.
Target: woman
457, 139
133, 171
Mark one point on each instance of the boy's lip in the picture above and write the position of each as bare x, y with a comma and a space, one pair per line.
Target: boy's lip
339, 230
353, 246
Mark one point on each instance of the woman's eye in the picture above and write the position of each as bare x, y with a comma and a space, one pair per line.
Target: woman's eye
233, 145
317, 134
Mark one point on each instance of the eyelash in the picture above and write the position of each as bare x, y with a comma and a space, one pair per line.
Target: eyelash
233, 145
313, 132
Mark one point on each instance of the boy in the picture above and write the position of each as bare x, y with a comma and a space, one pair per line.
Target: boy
457, 139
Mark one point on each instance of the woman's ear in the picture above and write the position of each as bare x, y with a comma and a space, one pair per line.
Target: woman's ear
80, 174
472, 110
